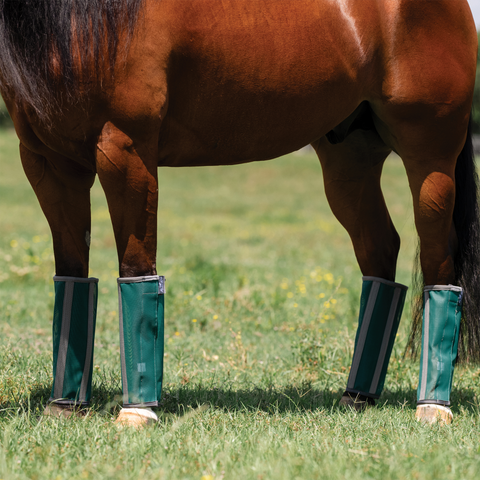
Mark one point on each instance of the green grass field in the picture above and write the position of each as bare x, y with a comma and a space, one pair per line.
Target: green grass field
262, 294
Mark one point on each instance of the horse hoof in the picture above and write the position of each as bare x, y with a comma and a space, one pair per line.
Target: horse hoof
136, 417
63, 411
431, 414
356, 402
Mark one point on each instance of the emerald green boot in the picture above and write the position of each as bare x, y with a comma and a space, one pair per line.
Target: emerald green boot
381, 306
74, 319
442, 312
141, 302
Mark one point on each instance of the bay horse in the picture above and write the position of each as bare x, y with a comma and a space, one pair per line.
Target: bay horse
117, 88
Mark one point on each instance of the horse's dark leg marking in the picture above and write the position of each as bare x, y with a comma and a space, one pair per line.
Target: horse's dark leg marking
352, 171
63, 190
129, 180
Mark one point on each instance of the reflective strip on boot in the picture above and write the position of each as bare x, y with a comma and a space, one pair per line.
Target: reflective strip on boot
381, 308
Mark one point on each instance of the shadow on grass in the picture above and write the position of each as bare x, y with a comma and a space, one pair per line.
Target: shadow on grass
271, 400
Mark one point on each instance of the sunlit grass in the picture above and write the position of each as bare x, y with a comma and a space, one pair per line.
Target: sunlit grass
261, 312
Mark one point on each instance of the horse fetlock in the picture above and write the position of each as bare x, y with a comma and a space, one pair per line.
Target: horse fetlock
141, 312
74, 321
381, 307
442, 312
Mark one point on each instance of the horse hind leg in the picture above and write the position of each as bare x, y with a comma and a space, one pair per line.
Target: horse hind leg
128, 175
63, 191
352, 171
432, 181
435, 147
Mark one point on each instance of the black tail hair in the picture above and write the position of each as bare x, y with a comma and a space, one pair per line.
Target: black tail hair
466, 218
32, 32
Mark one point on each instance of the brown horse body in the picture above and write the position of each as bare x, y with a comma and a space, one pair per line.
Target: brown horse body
215, 83
219, 82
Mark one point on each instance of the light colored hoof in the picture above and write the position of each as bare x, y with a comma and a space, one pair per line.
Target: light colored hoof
358, 403
63, 411
431, 414
136, 417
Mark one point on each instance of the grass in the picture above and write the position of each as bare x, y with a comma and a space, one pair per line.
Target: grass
262, 294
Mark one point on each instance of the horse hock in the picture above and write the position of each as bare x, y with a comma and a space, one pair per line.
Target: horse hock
442, 312
381, 306
141, 312
74, 320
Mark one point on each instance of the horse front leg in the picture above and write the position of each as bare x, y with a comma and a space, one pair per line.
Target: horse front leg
352, 173
128, 176
63, 191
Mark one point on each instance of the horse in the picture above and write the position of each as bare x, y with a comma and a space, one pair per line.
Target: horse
118, 88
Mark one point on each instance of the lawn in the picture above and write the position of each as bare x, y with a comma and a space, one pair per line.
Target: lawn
262, 295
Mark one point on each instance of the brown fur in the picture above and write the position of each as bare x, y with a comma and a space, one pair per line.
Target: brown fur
210, 82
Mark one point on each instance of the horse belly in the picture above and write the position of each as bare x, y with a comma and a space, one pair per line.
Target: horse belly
249, 130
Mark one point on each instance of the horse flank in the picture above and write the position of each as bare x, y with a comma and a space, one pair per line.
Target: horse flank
45, 44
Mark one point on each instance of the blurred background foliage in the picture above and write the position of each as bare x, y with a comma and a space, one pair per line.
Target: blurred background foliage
5, 120
476, 97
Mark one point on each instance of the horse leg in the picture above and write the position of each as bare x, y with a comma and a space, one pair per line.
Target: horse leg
63, 191
352, 171
432, 183
129, 178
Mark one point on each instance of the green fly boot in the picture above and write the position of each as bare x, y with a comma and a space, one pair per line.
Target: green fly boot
442, 312
74, 319
381, 306
141, 301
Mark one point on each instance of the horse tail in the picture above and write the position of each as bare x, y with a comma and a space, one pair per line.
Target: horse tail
466, 218
50, 43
